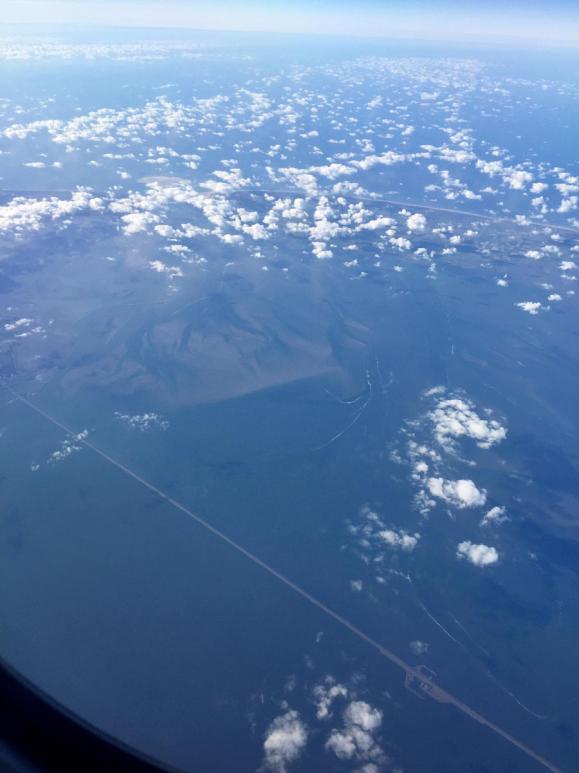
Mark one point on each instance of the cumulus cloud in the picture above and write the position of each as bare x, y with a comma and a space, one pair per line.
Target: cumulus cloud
401, 243
454, 418
376, 223
333, 171
568, 204
494, 515
325, 694
362, 714
136, 222
163, 268
372, 535
518, 178
284, 742
68, 447
459, 493
431, 444
22, 214
515, 178
416, 222
479, 555
531, 307
143, 421
356, 739
386, 159
228, 180
399, 539
17, 324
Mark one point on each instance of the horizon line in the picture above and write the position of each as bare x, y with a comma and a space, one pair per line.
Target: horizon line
390, 23
398, 36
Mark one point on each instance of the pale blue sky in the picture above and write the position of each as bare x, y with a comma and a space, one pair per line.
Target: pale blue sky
533, 20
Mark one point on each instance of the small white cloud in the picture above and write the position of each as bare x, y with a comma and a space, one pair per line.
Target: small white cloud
568, 204
416, 222
531, 307
419, 647
494, 515
143, 421
460, 493
17, 324
284, 742
69, 446
163, 268
479, 555
454, 418
399, 539
517, 179
356, 741
376, 223
362, 714
401, 243
325, 694
372, 535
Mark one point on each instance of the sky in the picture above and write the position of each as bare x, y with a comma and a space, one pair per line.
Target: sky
490, 20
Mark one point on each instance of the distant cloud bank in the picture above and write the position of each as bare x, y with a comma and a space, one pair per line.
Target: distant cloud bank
545, 22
